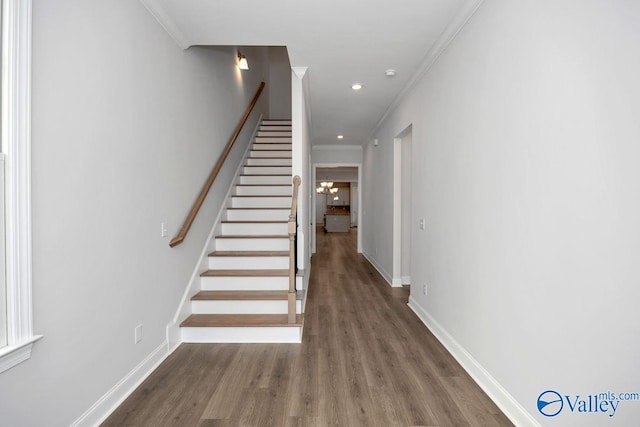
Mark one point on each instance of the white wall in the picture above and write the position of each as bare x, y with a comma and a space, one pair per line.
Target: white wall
339, 174
279, 83
525, 149
301, 158
126, 127
375, 210
336, 154
406, 208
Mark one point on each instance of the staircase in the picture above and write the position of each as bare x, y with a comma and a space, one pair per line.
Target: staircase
243, 296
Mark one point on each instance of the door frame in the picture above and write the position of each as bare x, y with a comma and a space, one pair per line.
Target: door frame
397, 279
314, 168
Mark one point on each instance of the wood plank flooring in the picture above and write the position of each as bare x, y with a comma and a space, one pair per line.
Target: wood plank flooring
365, 360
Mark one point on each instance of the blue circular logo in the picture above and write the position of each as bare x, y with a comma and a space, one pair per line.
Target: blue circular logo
550, 403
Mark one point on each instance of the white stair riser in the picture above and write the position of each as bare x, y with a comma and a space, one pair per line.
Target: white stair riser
277, 145
275, 133
274, 140
244, 283
260, 202
248, 262
266, 170
264, 190
282, 334
243, 307
252, 244
265, 179
258, 214
269, 161
270, 153
276, 122
276, 127
260, 229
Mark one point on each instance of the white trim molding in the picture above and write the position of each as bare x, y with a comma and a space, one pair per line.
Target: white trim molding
16, 145
113, 398
165, 21
299, 71
385, 275
500, 396
396, 268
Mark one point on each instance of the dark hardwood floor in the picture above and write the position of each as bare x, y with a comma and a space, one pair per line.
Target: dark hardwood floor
365, 360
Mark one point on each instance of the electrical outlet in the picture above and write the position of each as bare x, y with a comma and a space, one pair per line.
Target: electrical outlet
422, 223
138, 334
163, 229
424, 289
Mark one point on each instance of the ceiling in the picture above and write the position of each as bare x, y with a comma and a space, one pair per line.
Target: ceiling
341, 41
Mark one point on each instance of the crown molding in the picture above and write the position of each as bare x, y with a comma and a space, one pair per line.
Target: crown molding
443, 42
299, 71
158, 12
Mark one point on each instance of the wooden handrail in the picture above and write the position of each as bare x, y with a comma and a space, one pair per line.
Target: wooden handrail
179, 238
292, 229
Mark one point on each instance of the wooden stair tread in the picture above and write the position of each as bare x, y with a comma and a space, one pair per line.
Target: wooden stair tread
268, 174
264, 185
240, 295
240, 320
249, 253
260, 195
253, 236
251, 208
245, 273
267, 166
254, 222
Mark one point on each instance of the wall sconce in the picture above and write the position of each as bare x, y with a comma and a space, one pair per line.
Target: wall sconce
242, 62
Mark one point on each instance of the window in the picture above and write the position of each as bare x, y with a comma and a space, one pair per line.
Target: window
15, 129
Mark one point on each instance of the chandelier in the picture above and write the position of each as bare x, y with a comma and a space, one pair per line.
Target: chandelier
327, 189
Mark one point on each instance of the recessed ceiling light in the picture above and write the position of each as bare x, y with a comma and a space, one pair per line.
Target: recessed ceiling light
390, 72
340, 136
356, 86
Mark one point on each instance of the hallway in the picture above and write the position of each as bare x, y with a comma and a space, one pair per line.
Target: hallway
365, 360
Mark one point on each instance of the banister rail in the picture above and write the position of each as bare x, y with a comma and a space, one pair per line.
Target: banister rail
292, 229
179, 238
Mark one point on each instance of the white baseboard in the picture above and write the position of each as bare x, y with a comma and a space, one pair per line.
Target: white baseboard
386, 276
406, 280
100, 410
500, 396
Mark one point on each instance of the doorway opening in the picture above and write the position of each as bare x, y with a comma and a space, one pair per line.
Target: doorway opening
402, 207
338, 211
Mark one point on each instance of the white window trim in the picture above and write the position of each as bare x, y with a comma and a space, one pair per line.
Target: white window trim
16, 144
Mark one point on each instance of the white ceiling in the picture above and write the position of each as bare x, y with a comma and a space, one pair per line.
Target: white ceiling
341, 41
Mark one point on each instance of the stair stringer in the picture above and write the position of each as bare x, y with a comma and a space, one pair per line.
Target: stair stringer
174, 335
